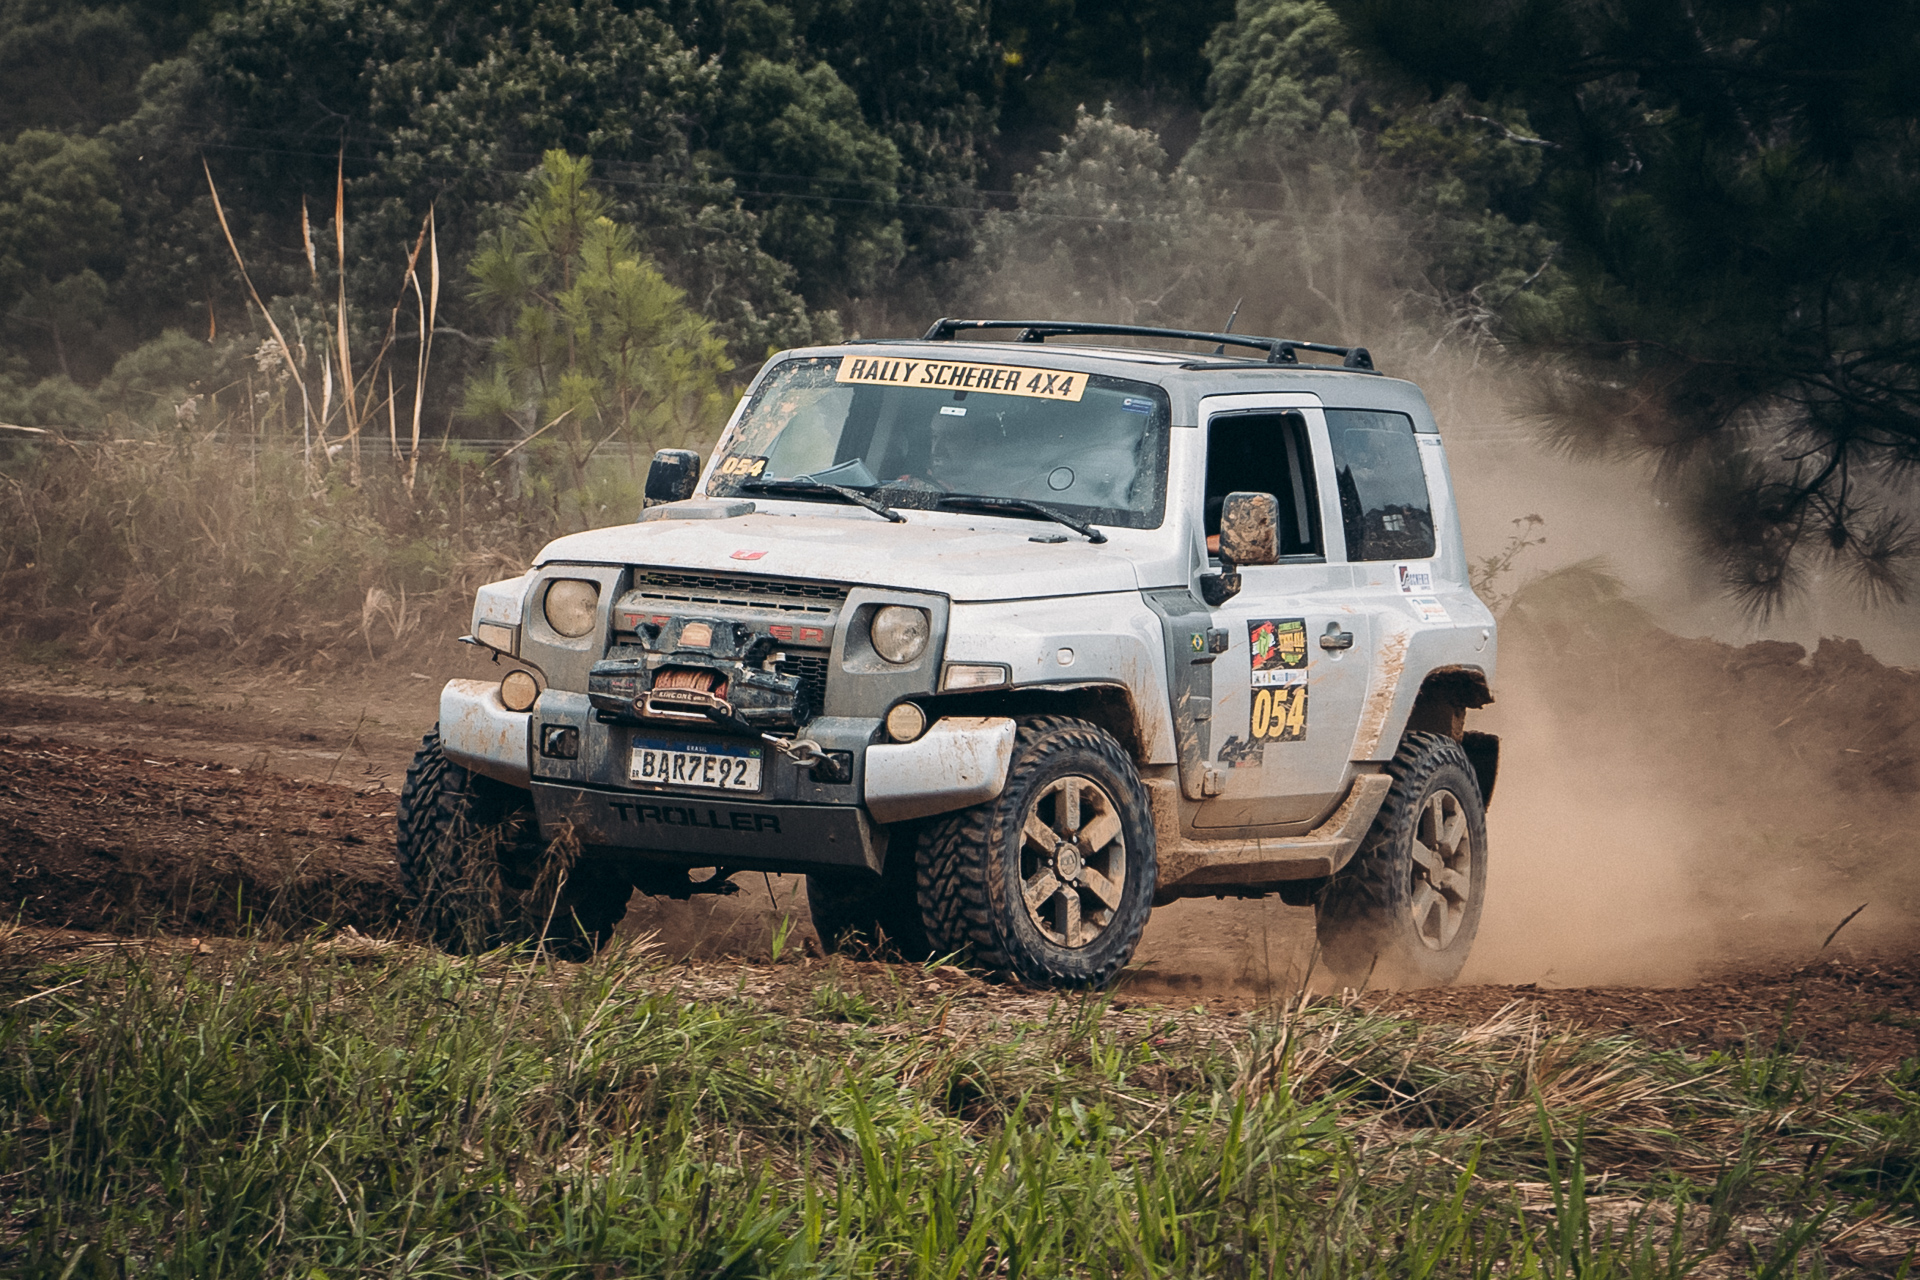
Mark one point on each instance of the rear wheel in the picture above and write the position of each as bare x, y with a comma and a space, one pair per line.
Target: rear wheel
1053, 880
1405, 910
480, 876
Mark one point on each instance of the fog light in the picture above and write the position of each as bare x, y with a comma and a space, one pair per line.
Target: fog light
900, 633
906, 722
519, 690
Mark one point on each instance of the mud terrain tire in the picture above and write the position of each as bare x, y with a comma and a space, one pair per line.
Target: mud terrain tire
1405, 910
979, 869
867, 915
479, 875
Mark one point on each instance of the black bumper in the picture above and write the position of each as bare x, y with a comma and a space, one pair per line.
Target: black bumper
702, 831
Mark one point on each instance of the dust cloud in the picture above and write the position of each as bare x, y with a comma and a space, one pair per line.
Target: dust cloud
1682, 793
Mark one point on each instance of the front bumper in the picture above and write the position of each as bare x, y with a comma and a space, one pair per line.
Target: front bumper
703, 831
477, 731
794, 823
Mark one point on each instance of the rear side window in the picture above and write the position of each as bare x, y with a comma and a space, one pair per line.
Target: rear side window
1383, 487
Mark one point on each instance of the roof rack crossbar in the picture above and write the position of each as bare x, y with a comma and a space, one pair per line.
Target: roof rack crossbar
1279, 350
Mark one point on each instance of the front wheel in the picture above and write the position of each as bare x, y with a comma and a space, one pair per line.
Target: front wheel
1405, 910
1053, 880
480, 876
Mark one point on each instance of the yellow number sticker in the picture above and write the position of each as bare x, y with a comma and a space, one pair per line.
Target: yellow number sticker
1279, 714
740, 466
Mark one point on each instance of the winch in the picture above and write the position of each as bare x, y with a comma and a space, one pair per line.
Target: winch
710, 670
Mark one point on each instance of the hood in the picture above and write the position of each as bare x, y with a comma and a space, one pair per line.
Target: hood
960, 556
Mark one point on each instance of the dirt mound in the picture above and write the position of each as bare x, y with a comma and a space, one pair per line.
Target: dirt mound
1671, 809
108, 840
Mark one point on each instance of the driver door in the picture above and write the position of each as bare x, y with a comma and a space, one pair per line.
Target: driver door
1289, 687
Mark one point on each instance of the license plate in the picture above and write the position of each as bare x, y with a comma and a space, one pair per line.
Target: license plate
709, 767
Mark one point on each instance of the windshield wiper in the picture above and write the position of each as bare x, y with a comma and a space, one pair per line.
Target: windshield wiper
979, 502
806, 484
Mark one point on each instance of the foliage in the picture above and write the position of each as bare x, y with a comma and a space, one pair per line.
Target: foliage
1105, 227
348, 1106
70, 66
1059, 58
1441, 203
179, 543
592, 339
1732, 184
59, 229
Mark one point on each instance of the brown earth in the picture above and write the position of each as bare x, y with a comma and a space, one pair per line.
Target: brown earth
287, 822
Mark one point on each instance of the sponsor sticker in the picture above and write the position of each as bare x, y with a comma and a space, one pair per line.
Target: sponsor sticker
1414, 579
1134, 404
744, 554
953, 411
961, 375
1276, 644
1236, 754
1430, 609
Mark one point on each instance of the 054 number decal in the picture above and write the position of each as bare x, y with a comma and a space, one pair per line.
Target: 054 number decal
1279, 714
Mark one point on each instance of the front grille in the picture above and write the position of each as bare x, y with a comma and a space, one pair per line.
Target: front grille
812, 670
702, 588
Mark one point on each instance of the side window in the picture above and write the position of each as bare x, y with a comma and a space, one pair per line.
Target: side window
1383, 487
1264, 453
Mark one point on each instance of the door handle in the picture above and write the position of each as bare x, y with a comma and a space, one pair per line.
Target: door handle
1337, 640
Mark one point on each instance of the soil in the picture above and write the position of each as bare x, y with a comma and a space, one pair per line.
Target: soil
201, 801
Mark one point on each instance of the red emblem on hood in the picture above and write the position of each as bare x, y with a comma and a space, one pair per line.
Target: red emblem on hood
744, 554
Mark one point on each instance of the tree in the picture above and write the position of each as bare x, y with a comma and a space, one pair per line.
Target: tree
1106, 227
1059, 56
593, 342
1422, 199
59, 230
1735, 185
69, 66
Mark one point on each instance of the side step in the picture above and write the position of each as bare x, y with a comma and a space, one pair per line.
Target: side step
1203, 868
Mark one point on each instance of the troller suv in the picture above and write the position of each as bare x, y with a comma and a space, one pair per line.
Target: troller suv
1001, 644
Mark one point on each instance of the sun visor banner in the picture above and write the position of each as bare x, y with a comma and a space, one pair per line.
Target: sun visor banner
997, 379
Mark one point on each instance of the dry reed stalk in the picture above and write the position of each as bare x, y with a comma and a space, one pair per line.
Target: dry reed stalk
286, 352
429, 310
349, 401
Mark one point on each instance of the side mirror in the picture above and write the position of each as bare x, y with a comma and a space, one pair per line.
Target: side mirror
673, 476
1249, 529
1249, 534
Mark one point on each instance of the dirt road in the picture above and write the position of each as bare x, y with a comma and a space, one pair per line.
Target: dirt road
191, 803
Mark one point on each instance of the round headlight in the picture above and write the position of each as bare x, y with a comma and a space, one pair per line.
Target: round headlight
519, 691
900, 633
571, 605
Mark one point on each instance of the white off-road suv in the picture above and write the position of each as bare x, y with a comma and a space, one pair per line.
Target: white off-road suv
1002, 644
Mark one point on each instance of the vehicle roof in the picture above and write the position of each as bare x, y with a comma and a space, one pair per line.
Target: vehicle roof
1187, 376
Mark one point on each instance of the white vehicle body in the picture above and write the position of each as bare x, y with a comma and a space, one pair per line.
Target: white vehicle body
1117, 632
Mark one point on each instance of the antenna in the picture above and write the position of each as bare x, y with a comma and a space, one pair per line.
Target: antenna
1235, 315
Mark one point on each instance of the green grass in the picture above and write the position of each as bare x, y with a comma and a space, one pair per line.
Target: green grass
310, 1111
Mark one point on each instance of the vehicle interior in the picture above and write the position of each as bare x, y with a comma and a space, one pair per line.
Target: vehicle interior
1265, 452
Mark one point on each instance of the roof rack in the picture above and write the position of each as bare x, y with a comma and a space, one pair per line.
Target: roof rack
1279, 350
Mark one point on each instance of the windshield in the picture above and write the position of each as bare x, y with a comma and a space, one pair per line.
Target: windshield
914, 431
